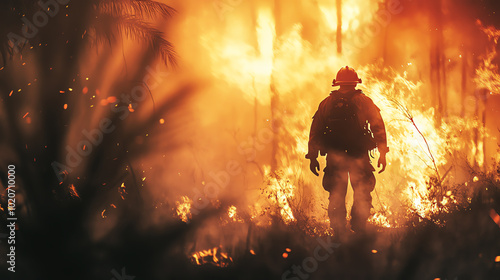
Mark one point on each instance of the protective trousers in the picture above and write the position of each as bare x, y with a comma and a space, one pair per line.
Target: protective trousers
341, 167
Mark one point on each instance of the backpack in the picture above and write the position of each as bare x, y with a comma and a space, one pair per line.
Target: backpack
343, 130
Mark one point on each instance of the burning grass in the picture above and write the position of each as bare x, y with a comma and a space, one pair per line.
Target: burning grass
459, 242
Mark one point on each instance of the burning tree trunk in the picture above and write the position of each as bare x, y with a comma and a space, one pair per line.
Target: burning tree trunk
438, 71
339, 26
464, 82
275, 119
383, 6
276, 123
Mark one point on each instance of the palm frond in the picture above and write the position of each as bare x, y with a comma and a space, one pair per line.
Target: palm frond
132, 27
11, 13
139, 8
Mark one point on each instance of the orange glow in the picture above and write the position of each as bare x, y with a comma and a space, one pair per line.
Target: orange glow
184, 209
122, 190
495, 217
72, 191
213, 256
109, 100
279, 70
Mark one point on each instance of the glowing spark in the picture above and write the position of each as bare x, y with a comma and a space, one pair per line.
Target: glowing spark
65, 106
495, 217
72, 191
25, 115
122, 191
162, 121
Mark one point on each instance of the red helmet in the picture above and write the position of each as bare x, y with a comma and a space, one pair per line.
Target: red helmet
346, 76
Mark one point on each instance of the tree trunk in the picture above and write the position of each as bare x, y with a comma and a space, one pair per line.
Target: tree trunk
339, 26
437, 59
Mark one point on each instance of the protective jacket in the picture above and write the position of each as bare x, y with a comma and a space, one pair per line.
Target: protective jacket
367, 115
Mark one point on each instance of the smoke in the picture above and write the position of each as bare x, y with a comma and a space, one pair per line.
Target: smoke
214, 151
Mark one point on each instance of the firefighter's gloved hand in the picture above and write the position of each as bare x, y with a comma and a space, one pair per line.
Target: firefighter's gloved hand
314, 166
382, 161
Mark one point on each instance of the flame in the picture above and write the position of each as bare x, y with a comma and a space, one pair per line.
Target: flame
213, 256
487, 73
380, 220
280, 192
264, 59
184, 208
233, 214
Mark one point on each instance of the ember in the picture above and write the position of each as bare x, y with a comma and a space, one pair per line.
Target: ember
213, 256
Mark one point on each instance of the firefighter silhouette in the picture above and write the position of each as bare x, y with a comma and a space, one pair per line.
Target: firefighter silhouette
345, 128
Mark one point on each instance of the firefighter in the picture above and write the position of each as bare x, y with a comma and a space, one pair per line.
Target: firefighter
346, 127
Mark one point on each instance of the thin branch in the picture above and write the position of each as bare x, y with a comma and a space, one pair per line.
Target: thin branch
428, 149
